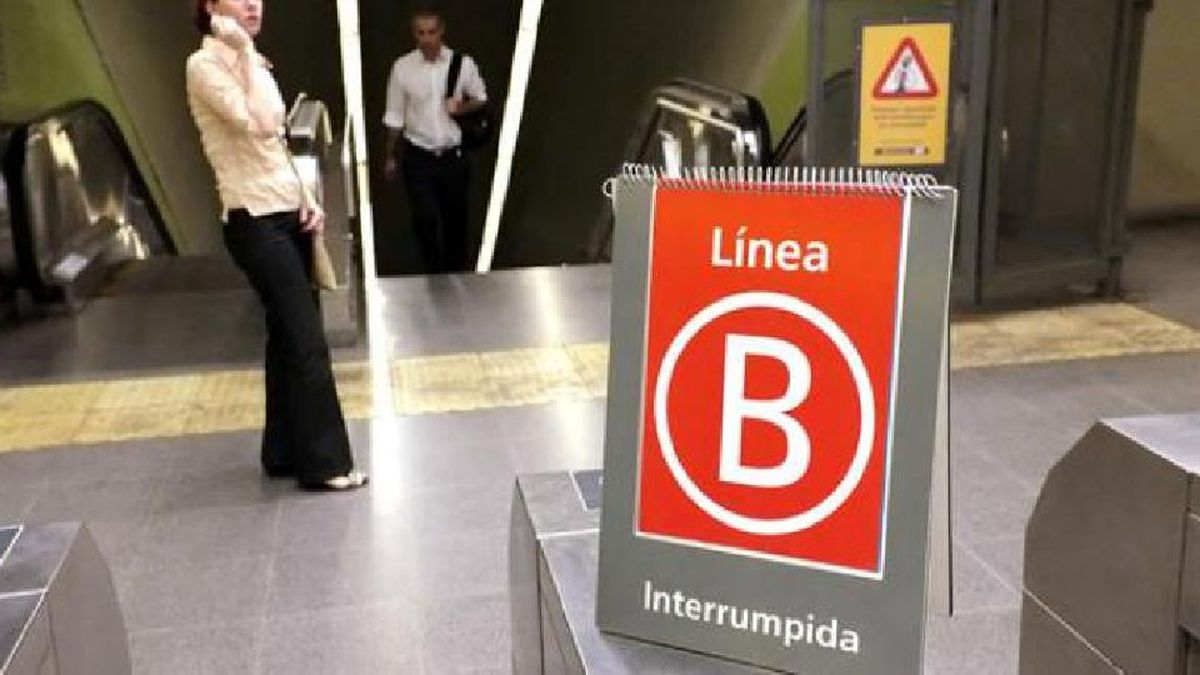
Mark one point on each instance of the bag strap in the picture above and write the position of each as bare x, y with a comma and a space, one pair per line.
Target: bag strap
305, 194
452, 75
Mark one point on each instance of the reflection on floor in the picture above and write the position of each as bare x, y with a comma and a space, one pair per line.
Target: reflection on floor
223, 571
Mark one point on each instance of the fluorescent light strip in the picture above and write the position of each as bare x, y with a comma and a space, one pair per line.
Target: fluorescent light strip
352, 86
386, 467
514, 109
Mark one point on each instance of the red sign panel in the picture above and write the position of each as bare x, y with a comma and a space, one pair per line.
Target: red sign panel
771, 330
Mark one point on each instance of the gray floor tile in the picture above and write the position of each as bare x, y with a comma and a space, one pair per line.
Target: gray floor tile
203, 535
1004, 555
225, 647
119, 541
318, 524
453, 564
1163, 383
94, 500
425, 343
16, 498
466, 633
444, 465
483, 505
175, 595
110, 337
21, 468
209, 454
979, 644
131, 460
562, 435
477, 427
970, 463
222, 487
978, 587
990, 507
377, 639
342, 578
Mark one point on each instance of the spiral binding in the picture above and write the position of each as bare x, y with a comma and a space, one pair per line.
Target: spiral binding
808, 180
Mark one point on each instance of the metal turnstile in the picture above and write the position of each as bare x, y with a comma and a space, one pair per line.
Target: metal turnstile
1112, 554
553, 547
327, 165
58, 607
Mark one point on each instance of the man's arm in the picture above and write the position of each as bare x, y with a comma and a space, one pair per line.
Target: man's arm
463, 106
390, 165
393, 120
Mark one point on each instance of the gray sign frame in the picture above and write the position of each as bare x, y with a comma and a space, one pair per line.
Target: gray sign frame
887, 614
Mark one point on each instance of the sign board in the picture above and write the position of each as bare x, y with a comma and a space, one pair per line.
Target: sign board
773, 388
904, 84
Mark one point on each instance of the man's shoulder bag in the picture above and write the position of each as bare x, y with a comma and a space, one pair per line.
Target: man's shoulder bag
476, 126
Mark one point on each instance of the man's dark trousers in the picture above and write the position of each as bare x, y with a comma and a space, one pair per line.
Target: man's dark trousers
437, 191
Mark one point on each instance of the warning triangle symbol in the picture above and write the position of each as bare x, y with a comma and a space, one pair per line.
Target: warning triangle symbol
906, 75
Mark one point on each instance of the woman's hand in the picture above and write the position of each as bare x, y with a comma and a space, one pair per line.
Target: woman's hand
228, 30
313, 219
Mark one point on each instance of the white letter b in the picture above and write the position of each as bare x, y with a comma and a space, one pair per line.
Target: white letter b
736, 408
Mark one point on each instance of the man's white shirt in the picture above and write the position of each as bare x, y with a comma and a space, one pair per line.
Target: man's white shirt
416, 98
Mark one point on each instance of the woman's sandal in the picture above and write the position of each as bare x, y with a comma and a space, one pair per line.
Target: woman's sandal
350, 481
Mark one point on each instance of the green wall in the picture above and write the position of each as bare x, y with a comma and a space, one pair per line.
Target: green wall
50, 60
1166, 151
129, 56
783, 86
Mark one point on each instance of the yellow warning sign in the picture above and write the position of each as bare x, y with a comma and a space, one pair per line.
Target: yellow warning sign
904, 81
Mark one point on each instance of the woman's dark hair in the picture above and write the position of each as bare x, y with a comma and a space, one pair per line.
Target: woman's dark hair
202, 18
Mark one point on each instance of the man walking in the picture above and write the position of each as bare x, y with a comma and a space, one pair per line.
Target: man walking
425, 143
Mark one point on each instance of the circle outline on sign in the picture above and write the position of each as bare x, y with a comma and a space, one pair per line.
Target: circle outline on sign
862, 383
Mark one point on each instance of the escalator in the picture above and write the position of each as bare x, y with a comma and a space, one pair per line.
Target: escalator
690, 124
76, 222
78, 212
695, 124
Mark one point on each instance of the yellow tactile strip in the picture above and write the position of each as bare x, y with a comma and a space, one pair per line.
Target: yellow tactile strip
1090, 331
146, 407
470, 381
37, 416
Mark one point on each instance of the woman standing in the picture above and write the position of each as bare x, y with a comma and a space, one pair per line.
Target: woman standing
268, 230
